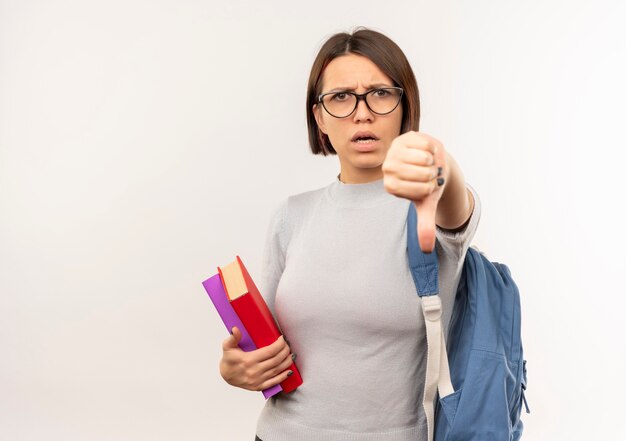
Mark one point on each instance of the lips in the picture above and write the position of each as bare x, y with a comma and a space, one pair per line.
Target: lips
364, 135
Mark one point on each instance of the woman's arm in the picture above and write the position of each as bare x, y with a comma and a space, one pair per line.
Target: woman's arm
456, 204
409, 172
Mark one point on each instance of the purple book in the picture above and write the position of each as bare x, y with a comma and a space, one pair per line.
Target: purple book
215, 289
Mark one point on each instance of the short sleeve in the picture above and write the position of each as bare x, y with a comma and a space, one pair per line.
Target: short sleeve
273, 258
458, 242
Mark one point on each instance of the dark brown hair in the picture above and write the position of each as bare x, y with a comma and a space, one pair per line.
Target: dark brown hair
385, 54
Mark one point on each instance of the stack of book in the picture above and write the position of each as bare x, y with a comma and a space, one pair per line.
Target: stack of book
239, 303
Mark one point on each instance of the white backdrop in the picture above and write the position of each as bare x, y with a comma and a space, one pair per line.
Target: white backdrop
143, 143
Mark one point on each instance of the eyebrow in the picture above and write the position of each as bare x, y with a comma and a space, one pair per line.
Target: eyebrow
371, 86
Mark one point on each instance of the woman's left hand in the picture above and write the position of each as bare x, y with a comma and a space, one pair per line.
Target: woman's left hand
410, 171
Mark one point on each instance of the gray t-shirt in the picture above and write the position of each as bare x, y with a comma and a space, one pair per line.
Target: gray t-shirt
335, 273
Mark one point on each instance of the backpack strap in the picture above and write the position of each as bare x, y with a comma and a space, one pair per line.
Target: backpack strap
425, 272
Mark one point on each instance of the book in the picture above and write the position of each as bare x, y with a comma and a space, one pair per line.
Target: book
215, 289
254, 313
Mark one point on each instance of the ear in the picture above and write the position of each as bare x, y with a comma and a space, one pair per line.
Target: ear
318, 118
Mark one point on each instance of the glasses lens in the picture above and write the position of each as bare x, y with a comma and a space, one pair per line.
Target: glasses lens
339, 104
381, 101
384, 100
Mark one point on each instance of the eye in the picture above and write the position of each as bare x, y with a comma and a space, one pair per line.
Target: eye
340, 96
380, 92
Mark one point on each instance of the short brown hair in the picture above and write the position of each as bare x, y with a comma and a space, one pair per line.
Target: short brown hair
385, 54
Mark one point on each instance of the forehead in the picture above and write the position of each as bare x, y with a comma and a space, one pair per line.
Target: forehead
353, 71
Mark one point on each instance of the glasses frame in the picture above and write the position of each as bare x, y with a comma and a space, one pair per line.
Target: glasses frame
359, 97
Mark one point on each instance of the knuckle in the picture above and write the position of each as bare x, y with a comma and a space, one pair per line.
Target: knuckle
288, 361
279, 344
251, 377
246, 364
390, 185
278, 370
390, 166
248, 383
272, 371
429, 159
264, 352
280, 363
275, 348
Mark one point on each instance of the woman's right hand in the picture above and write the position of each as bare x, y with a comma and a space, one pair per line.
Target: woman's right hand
255, 370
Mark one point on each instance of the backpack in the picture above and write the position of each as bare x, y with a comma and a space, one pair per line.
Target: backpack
480, 375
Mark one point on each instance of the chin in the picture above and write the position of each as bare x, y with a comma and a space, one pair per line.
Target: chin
369, 156
373, 162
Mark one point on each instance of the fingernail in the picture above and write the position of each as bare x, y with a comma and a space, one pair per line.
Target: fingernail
440, 181
293, 356
289, 373
439, 171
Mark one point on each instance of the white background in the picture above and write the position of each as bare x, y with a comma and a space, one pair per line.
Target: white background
143, 143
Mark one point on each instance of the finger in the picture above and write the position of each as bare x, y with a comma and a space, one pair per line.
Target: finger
415, 140
273, 367
232, 342
418, 157
426, 213
412, 190
271, 351
286, 364
417, 173
279, 363
277, 379
427, 207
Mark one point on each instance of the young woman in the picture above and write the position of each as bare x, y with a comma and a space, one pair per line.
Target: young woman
335, 268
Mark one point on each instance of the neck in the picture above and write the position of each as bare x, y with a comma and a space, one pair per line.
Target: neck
366, 176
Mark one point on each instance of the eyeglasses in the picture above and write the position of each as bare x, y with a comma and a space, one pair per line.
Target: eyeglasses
380, 101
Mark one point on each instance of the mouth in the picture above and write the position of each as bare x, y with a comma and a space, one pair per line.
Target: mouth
365, 145
365, 140
364, 137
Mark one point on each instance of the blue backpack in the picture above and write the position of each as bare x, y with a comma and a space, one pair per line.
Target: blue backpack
480, 375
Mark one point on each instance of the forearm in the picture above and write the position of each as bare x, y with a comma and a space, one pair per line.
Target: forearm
456, 203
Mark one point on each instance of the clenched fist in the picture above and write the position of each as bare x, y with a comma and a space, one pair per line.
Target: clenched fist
258, 369
415, 168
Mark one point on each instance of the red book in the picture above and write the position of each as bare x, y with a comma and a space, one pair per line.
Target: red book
254, 313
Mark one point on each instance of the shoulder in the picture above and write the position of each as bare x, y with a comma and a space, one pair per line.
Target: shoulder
297, 200
298, 205
291, 210
306, 198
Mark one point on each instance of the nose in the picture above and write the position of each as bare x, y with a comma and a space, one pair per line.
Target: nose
362, 112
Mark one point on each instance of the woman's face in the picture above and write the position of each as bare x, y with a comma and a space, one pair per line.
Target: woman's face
359, 162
